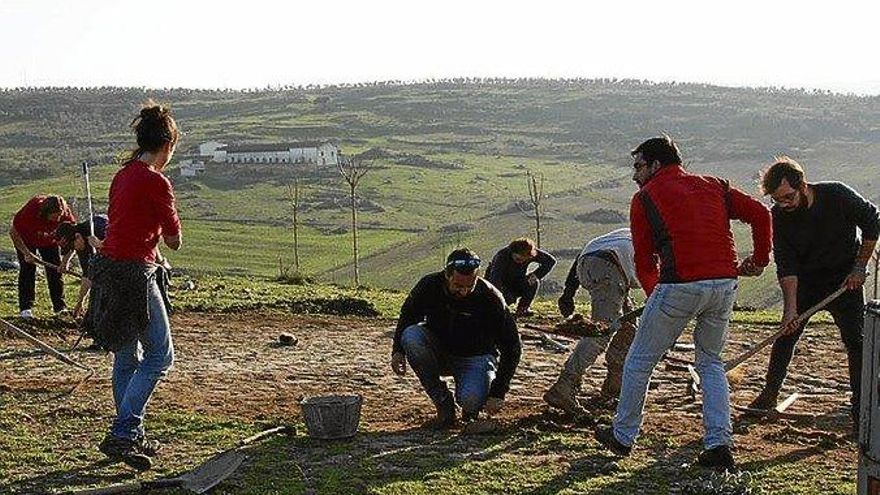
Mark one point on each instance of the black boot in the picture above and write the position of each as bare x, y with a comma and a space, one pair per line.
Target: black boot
717, 458
445, 413
766, 400
605, 436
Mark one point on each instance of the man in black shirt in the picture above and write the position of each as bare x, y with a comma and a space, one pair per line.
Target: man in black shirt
456, 323
507, 271
817, 249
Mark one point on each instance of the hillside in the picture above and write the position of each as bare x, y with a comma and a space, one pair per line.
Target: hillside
451, 161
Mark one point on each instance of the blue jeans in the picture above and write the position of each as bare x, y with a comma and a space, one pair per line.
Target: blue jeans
668, 310
137, 368
472, 374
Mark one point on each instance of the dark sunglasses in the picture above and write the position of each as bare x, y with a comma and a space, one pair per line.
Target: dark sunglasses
468, 264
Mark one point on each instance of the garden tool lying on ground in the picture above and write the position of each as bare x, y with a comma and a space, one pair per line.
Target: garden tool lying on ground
200, 479
730, 366
52, 352
46, 347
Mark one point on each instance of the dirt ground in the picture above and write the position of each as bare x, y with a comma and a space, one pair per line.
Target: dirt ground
231, 366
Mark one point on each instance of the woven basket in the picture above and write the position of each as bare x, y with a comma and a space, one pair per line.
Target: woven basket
332, 417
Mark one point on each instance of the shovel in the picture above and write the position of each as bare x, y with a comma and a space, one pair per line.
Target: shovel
626, 318
733, 363
199, 480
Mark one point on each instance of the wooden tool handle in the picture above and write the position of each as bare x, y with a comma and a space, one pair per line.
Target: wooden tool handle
56, 268
769, 340
42, 345
263, 434
126, 488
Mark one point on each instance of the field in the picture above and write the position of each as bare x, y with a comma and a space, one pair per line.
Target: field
230, 381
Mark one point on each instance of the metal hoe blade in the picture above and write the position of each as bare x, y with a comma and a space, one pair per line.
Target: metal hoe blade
212, 472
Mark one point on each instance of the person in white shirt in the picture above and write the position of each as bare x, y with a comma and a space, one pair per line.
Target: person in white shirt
606, 268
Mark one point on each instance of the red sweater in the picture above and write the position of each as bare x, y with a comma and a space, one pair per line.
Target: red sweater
680, 224
35, 231
141, 210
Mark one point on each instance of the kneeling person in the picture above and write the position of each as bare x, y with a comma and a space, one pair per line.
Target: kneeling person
455, 323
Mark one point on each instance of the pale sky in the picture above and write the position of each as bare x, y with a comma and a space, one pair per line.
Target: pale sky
256, 43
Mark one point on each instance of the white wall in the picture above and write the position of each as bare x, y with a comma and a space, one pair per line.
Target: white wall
209, 148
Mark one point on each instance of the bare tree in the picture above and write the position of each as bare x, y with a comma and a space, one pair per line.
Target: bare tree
353, 170
536, 198
293, 197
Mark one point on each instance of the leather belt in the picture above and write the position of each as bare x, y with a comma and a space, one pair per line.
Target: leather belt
610, 257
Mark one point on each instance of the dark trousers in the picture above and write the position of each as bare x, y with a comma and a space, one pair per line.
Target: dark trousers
27, 274
522, 290
848, 312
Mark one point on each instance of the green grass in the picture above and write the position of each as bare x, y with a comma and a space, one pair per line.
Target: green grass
524, 461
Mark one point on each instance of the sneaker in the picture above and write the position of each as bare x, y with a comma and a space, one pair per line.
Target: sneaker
605, 436
27, 314
718, 458
148, 447
445, 414
125, 450
562, 395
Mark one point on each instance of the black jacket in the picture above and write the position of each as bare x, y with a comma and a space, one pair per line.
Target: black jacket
505, 273
819, 244
475, 325
119, 305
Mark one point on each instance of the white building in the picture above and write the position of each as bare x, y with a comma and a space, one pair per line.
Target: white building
312, 152
191, 167
207, 149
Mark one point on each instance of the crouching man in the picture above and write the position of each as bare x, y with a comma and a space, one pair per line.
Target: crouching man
455, 323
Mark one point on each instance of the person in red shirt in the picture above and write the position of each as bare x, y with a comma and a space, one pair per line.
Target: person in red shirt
33, 229
141, 212
686, 262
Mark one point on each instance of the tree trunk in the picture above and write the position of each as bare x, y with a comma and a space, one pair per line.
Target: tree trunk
296, 225
538, 227
354, 239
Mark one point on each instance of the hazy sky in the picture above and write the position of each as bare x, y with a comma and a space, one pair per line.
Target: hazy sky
255, 43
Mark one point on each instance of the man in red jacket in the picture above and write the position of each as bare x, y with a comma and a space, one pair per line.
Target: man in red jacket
686, 262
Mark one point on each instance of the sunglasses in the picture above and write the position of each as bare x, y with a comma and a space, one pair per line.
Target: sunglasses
469, 264
785, 198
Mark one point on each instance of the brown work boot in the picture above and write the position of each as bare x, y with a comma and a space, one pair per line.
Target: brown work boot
611, 386
563, 395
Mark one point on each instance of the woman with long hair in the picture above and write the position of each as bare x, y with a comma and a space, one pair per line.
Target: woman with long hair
126, 311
